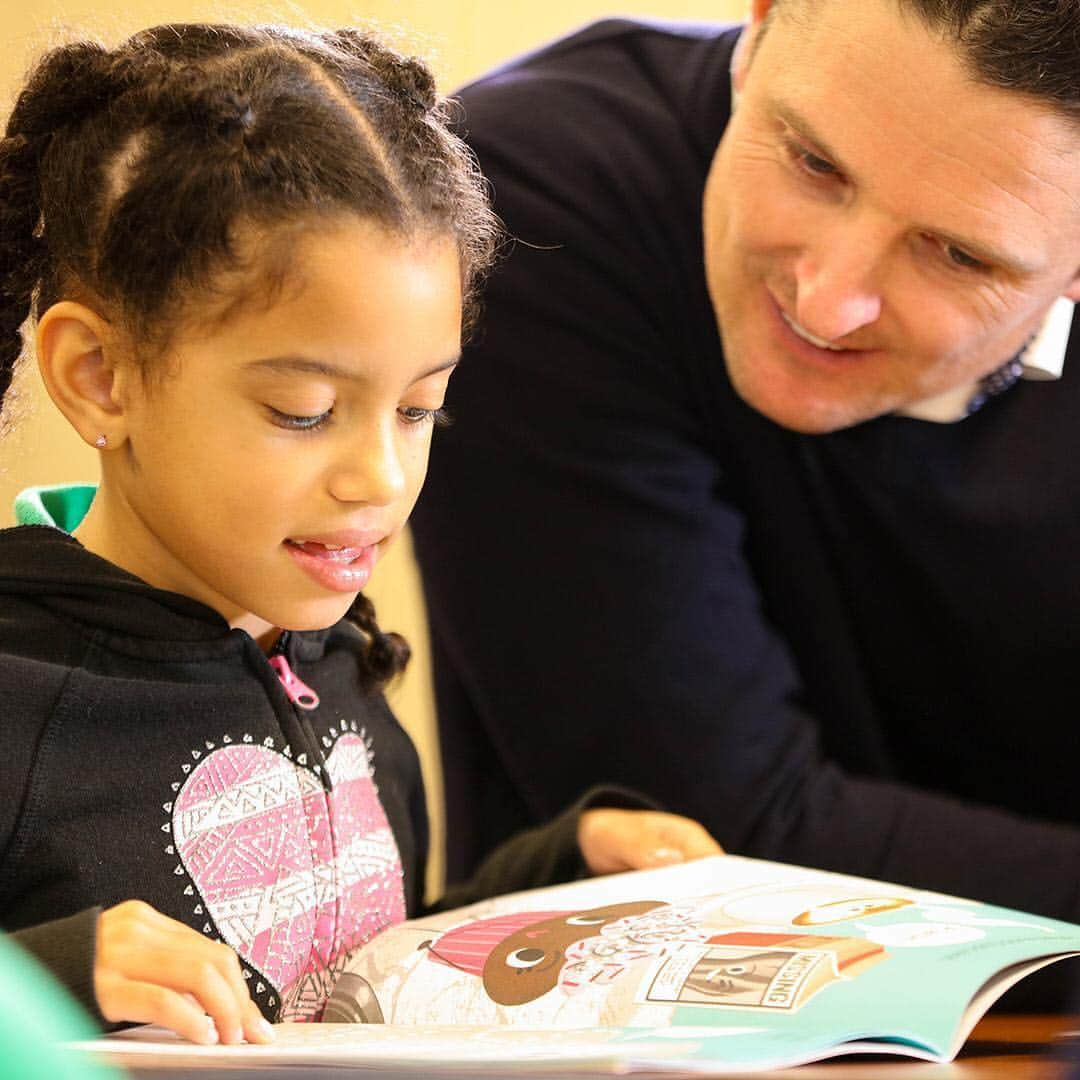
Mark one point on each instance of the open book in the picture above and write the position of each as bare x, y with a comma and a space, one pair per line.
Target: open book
723, 965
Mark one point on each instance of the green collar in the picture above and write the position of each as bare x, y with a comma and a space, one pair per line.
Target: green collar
62, 506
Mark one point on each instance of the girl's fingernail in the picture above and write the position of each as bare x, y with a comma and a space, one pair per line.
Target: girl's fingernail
211, 1031
266, 1029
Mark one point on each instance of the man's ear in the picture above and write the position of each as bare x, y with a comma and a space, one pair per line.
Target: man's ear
744, 50
77, 357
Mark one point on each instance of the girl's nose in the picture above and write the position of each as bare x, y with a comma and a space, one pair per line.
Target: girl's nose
370, 471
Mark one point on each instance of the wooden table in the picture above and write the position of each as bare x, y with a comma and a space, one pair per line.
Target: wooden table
1003, 1047
1000, 1048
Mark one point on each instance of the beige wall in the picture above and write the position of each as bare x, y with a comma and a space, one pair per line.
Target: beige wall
460, 38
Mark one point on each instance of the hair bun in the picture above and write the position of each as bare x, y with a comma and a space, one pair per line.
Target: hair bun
416, 83
406, 77
231, 114
71, 83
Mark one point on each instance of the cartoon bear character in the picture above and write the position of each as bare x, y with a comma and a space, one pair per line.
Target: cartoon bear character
520, 956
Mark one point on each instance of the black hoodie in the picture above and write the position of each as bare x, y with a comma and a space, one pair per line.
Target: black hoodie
152, 752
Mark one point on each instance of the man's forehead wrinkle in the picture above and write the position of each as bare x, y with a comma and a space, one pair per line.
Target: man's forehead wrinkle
903, 128
1010, 246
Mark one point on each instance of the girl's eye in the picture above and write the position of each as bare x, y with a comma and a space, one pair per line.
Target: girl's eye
411, 414
298, 423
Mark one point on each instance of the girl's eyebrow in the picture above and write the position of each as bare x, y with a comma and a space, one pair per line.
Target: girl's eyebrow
307, 365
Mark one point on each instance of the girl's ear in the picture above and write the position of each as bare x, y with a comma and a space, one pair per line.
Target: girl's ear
744, 50
77, 357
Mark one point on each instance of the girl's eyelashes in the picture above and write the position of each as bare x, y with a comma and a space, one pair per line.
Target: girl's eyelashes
411, 414
298, 423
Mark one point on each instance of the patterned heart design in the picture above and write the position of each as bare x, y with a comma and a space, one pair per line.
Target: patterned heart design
294, 876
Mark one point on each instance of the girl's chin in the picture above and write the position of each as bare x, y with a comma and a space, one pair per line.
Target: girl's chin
301, 617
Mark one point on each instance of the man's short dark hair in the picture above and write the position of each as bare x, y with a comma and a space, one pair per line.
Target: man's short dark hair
1031, 47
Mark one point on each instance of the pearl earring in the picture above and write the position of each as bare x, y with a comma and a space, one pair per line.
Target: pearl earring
101, 442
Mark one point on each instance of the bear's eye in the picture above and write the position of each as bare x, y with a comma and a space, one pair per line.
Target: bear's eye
585, 920
523, 959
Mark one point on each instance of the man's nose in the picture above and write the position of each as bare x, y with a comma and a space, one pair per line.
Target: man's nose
370, 469
838, 284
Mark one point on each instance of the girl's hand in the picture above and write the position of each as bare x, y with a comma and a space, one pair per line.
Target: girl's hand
613, 840
151, 969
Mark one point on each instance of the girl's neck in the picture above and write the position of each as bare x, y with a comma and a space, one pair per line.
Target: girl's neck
113, 530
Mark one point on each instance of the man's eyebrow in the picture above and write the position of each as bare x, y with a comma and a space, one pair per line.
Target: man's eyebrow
802, 127
309, 365
795, 120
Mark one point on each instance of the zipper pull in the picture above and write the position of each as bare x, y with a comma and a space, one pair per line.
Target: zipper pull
297, 691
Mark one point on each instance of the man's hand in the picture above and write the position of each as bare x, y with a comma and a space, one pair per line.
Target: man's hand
151, 969
614, 840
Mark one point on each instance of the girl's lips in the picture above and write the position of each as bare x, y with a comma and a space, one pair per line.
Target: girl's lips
339, 569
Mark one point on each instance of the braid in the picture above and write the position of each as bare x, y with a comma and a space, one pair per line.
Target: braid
385, 654
67, 87
22, 256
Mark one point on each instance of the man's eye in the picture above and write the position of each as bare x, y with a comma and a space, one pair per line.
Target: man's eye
805, 159
298, 423
814, 164
962, 259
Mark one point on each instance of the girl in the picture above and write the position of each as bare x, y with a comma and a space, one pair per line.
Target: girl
249, 255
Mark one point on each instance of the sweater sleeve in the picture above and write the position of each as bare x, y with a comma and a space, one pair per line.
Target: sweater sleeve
66, 947
545, 855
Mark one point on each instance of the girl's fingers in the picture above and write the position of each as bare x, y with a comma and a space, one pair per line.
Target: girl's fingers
140, 945
185, 973
256, 1027
123, 999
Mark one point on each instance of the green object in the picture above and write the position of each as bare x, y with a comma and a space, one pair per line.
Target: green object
62, 505
36, 1016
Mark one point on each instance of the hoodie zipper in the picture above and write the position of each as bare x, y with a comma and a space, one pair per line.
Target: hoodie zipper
303, 699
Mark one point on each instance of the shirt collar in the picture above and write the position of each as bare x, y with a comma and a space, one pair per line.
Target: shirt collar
1043, 361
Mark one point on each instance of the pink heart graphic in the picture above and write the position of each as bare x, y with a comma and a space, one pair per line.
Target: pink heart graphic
294, 877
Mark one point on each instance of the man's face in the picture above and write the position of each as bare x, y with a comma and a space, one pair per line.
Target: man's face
869, 195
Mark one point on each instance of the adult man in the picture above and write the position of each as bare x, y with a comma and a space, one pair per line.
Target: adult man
815, 586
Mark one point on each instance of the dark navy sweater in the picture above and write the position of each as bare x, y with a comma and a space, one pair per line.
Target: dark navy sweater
857, 651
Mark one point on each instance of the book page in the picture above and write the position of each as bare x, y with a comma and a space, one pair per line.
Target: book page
757, 956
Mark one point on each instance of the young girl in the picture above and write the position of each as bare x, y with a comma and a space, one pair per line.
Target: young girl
248, 254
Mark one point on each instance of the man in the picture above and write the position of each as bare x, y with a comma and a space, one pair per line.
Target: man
742, 507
